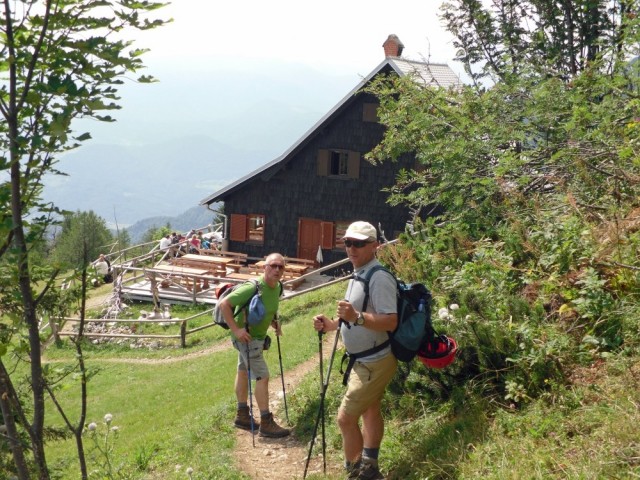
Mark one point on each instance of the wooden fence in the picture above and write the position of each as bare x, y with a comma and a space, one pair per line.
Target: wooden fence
57, 327
57, 331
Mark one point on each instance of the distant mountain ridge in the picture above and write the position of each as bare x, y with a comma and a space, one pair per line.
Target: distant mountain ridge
180, 140
196, 217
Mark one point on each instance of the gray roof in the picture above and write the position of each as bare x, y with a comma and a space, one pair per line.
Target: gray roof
431, 74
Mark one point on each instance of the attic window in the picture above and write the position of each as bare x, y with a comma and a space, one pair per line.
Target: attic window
338, 163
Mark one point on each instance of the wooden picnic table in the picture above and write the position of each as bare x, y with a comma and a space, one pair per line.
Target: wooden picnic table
185, 274
179, 270
207, 259
215, 265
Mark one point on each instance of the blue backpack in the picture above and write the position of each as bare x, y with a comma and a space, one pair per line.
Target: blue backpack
414, 328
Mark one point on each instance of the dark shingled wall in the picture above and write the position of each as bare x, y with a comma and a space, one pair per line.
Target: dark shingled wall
297, 191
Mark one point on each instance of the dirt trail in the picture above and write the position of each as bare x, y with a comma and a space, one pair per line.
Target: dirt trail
271, 458
282, 458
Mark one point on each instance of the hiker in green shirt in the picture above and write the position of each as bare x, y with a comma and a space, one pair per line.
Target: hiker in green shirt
249, 341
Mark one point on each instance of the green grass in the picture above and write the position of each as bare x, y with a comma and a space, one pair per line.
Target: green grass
177, 414
174, 412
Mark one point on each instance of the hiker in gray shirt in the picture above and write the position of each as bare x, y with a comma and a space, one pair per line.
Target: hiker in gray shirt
362, 331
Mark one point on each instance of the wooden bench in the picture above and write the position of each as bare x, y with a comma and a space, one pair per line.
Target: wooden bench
239, 259
301, 261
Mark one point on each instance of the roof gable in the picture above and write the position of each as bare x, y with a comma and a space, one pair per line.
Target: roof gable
429, 74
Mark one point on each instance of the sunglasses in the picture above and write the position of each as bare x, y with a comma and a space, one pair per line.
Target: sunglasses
276, 266
356, 243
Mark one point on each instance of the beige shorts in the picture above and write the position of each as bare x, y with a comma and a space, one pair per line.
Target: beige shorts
259, 369
367, 383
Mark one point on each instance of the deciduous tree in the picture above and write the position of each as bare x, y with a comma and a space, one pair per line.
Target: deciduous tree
59, 60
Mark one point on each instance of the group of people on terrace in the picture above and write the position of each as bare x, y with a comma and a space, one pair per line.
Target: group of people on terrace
178, 244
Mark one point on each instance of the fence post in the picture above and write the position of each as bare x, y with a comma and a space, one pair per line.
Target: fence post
54, 329
183, 334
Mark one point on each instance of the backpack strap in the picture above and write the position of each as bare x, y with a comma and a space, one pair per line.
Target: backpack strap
366, 279
352, 357
257, 289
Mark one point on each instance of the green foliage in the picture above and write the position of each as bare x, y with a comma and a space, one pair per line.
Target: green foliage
498, 39
526, 199
83, 236
156, 233
61, 60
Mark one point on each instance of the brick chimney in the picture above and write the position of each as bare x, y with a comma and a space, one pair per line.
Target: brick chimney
392, 46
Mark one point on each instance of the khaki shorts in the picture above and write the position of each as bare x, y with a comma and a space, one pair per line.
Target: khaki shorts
367, 383
259, 369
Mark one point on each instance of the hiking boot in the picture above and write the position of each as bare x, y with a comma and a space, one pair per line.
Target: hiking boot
269, 428
353, 472
243, 419
369, 471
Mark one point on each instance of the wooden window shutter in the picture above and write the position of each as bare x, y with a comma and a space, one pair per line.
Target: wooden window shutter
323, 163
327, 235
353, 169
370, 112
238, 228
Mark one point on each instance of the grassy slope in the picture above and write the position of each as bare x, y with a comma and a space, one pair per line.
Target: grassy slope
178, 414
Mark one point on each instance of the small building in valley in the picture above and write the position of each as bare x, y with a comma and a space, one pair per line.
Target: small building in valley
304, 200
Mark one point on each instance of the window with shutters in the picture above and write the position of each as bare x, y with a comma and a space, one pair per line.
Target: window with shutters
339, 164
256, 228
247, 228
340, 230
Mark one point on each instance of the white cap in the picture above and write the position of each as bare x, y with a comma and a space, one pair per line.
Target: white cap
361, 231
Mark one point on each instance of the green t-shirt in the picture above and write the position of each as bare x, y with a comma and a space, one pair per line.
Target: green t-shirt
270, 298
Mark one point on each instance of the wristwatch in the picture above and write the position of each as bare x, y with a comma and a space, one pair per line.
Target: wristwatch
360, 319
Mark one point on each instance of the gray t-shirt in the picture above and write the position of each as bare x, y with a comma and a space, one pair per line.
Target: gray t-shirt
382, 299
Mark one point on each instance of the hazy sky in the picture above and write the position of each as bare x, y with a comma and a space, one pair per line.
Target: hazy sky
252, 75
335, 34
211, 40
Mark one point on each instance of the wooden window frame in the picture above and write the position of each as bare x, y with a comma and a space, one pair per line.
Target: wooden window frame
339, 231
348, 167
247, 228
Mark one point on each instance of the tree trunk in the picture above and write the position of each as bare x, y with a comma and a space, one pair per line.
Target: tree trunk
6, 398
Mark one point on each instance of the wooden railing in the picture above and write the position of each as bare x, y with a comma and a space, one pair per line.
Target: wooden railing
58, 324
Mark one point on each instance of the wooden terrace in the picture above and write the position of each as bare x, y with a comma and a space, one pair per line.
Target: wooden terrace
193, 278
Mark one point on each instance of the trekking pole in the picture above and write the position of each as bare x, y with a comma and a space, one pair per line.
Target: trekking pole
323, 394
324, 438
253, 437
284, 392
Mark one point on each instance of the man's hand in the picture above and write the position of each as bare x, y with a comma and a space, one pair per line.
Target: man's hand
277, 327
242, 335
324, 324
346, 312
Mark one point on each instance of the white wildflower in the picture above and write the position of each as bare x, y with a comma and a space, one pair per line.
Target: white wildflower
107, 418
115, 429
443, 313
454, 306
189, 471
468, 317
92, 426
